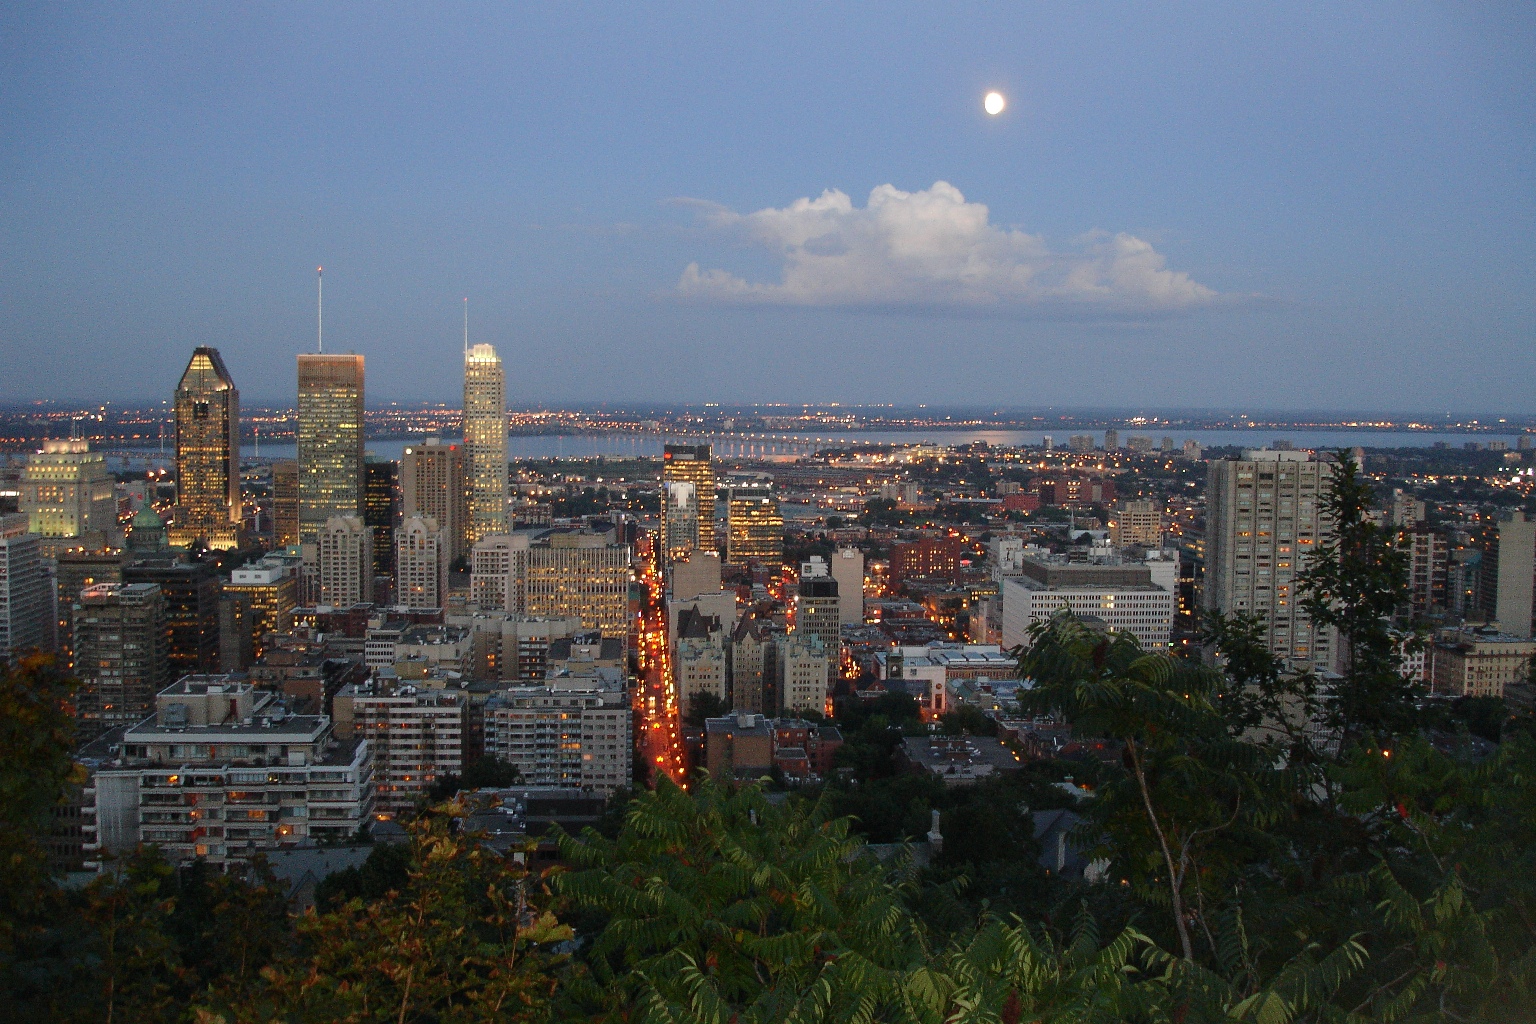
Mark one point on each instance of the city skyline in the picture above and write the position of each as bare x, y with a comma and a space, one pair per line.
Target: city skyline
619, 193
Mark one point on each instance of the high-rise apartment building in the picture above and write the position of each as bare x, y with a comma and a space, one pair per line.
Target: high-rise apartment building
434, 481
804, 674
344, 562
207, 454
120, 653
1509, 576
381, 510
416, 733
73, 572
191, 591
1428, 567
679, 520
1264, 520
818, 613
755, 531
563, 735
421, 561
1137, 522
285, 503
691, 463
26, 593
330, 440
485, 439
66, 492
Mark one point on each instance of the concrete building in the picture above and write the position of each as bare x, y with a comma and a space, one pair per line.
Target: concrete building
753, 666
344, 562
934, 557
1480, 662
755, 531
1428, 568
485, 441
434, 481
681, 520
208, 507
120, 653
738, 745
563, 735
415, 729
271, 593
1137, 522
691, 463
1124, 598
223, 773
804, 672
818, 613
421, 563
1264, 519
330, 441
66, 492
580, 574
698, 655
695, 575
1509, 576
848, 570
26, 593
931, 671
73, 572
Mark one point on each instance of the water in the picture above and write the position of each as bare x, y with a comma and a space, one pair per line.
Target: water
620, 446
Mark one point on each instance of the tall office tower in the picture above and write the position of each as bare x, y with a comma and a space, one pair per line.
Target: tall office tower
1264, 519
1137, 522
848, 571
74, 571
1509, 575
1111, 439
382, 511
580, 575
690, 463
755, 531
66, 492
680, 522
818, 613
207, 455
1428, 567
421, 560
121, 653
485, 438
434, 481
26, 598
330, 440
191, 592
344, 560
285, 503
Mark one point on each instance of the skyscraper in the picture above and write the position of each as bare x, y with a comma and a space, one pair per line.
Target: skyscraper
756, 531
690, 463
1509, 575
121, 653
1264, 519
382, 511
421, 560
485, 439
434, 482
680, 526
207, 454
26, 601
66, 492
330, 440
191, 593
285, 503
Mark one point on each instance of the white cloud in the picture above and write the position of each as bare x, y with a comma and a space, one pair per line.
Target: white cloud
932, 248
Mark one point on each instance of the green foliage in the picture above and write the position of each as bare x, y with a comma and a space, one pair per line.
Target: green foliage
387, 869
486, 772
705, 705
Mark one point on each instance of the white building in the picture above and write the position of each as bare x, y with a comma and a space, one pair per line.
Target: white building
565, 734
222, 773
421, 563
1264, 519
803, 673
1140, 608
416, 732
66, 491
344, 562
848, 570
929, 672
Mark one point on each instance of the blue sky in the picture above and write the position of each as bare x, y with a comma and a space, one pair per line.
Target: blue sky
1278, 206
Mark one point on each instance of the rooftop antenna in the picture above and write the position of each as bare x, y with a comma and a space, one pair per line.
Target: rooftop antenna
466, 327
320, 308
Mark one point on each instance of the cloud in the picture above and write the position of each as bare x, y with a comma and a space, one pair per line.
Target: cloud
932, 248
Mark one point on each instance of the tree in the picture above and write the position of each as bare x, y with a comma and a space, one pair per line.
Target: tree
704, 705
1353, 583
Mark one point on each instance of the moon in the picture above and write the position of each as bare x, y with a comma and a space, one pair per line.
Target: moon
994, 103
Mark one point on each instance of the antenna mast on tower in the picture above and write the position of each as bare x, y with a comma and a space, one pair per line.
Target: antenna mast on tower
320, 309
466, 327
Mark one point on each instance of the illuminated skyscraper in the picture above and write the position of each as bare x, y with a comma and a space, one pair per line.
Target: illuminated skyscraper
680, 524
690, 463
485, 440
207, 454
330, 440
66, 492
756, 531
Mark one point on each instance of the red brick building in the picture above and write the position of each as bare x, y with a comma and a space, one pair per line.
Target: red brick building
935, 556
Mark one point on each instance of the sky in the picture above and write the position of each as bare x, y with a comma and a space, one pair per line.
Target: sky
1276, 206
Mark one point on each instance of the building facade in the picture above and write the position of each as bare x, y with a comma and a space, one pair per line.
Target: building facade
1480, 662
330, 440
285, 503
416, 734
692, 463
208, 507
344, 562
381, 511
755, 531
1137, 522
26, 593
66, 492
485, 438
563, 737
421, 560
434, 481
803, 673
1264, 519
120, 653
191, 591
